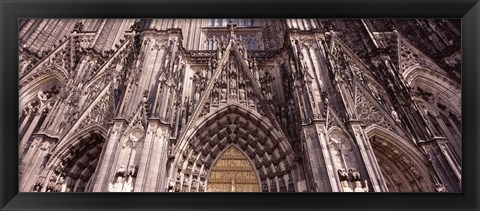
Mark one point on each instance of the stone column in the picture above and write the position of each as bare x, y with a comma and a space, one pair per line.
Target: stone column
144, 161
27, 119
29, 132
447, 169
331, 179
371, 164
34, 162
102, 176
151, 172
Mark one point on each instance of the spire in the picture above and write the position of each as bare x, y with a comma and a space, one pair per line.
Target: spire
231, 27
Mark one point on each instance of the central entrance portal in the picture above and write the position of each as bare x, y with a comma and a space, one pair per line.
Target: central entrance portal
233, 172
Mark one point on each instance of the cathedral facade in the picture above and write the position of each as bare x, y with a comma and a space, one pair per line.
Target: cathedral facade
239, 105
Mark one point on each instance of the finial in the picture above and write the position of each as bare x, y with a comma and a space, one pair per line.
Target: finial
231, 27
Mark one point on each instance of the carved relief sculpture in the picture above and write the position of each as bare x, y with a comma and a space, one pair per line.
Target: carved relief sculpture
239, 105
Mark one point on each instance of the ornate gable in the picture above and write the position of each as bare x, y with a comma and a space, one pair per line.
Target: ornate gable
412, 58
101, 113
233, 82
368, 112
232, 87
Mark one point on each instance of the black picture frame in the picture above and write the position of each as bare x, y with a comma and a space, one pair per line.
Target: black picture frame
12, 10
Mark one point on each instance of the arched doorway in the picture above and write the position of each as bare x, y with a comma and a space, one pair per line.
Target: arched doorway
403, 166
232, 172
439, 101
270, 154
72, 169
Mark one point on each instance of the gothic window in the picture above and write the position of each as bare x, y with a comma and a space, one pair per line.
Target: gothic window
225, 22
241, 22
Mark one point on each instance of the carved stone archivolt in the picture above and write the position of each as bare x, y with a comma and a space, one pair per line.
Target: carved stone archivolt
73, 169
271, 157
197, 96
402, 171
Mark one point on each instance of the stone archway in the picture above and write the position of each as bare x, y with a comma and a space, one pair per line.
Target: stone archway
71, 170
269, 152
403, 166
233, 172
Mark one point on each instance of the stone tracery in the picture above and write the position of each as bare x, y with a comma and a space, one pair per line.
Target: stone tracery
295, 98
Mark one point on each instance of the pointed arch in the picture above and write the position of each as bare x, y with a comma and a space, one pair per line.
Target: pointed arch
440, 98
89, 111
240, 173
73, 162
233, 49
403, 165
270, 152
62, 147
39, 82
445, 88
336, 134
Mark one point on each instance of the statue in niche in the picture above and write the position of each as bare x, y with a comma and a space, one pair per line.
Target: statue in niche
42, 96
251, 103
185, 181
233, 85
265, 185
190, 108
224, 94
201, 185
128, 187
117, 186
189, 168
215, 99
355, 177
194, 182
395, 116
242, 93
354, 174
203, 173
343, 176
132, 170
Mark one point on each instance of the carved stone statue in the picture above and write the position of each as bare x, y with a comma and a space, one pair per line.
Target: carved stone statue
395, 116
359, 188
224, 94
343, 176
194, 182
354, 174
336, 143
42, 96
233, 83
215, 99
201, 185
128, 187
133, 138
242, 93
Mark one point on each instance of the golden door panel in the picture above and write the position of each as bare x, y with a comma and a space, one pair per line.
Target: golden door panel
232, 172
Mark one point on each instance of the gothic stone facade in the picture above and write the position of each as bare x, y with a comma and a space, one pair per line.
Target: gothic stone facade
280, 105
